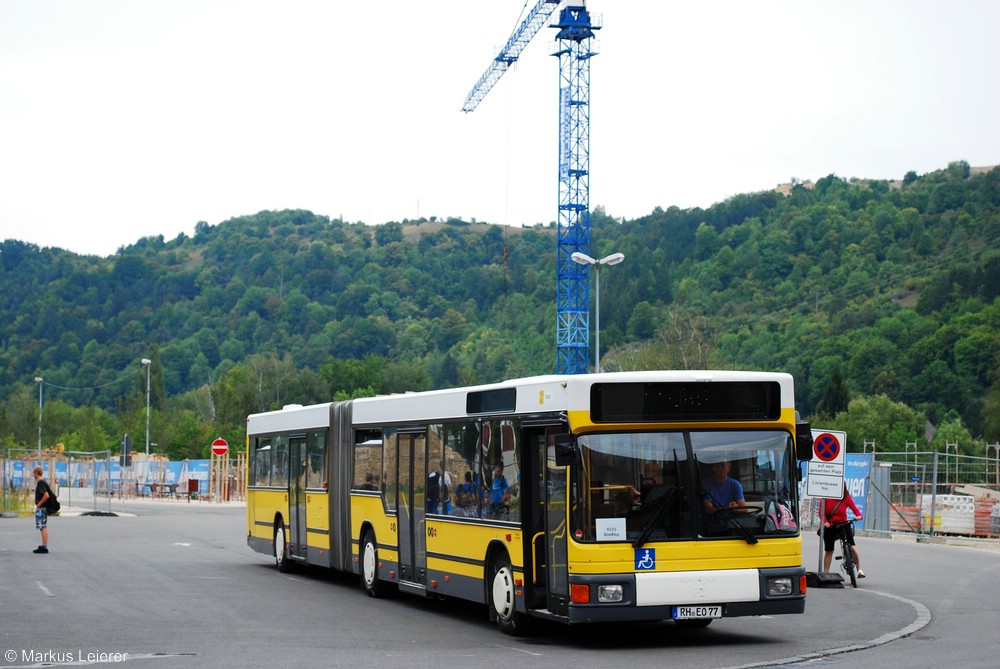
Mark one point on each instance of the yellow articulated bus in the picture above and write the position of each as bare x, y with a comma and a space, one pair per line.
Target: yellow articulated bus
630, 496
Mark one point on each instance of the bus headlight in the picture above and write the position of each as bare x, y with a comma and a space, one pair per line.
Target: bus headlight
777, 587
610, 593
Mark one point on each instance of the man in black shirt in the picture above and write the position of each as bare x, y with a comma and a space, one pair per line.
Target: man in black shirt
42, 494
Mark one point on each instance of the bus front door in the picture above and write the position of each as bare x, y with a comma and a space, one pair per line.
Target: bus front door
556, 532
412, 480
298, 543
545, 522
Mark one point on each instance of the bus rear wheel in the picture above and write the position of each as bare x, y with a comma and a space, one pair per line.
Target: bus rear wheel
502, 599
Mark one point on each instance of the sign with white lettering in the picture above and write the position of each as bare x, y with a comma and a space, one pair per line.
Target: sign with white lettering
825, 472
610, 529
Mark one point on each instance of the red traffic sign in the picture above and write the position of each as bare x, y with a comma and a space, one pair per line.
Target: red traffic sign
220, 447
826, 447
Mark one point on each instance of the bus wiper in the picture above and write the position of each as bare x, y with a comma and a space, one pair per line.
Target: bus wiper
660, 504
728, 515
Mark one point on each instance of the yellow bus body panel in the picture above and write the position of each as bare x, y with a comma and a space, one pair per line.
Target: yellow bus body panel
262, 507
369, 510
605, 558
460, 547
580, 423
318, 520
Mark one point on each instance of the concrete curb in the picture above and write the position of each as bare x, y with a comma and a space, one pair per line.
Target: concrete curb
923, 618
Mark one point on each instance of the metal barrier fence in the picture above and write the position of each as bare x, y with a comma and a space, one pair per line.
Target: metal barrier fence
92, 480
944, 493
75, 476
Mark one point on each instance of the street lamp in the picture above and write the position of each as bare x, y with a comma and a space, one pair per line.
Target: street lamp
584, 259
41, 382
147, 362
947, 459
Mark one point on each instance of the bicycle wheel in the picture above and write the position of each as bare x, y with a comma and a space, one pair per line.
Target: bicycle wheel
848, 564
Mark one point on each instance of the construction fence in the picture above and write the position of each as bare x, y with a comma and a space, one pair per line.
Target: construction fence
943, 493
92, 480
923, 493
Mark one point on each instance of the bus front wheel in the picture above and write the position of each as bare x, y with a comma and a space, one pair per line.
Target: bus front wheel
370, 569
281, 559
502, 598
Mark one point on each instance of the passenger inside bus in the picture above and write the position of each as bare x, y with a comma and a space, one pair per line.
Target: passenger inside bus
650, 477
371, 482
467, 498
499, 493
625, 502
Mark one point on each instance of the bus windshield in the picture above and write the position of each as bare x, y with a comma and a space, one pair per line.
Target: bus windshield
685, 485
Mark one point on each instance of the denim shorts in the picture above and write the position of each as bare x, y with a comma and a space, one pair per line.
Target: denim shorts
41, 519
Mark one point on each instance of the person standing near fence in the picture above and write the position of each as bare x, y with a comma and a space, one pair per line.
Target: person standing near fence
42, 494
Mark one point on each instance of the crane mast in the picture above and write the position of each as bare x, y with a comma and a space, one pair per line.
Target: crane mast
573, 226
573, 223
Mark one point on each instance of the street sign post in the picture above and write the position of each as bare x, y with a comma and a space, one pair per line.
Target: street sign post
825, 479
825, 473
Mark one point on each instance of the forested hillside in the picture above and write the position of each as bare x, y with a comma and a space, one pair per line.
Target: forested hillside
881, 298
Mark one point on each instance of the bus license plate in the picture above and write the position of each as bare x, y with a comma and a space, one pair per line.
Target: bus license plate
689, 612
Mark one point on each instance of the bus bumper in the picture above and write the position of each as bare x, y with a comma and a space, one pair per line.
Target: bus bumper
652, 596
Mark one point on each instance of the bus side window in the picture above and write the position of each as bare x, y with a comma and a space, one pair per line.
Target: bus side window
316, 445
461, 449
367, 460
279, 462
262, 462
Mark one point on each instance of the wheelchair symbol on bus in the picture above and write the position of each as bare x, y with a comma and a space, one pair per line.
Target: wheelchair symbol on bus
645, 559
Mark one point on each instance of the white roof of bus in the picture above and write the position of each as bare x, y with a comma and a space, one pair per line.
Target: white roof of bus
541, 393
292, 417
538, 394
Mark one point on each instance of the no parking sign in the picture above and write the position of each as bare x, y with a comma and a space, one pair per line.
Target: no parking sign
825, 474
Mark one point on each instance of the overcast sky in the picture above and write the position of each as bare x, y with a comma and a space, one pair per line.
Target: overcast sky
133, 118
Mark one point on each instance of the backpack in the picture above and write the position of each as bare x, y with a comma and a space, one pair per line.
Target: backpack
52, 504
779, 517
784, 519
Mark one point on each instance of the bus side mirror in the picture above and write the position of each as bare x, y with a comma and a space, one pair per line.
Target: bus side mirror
566, 451
803, 441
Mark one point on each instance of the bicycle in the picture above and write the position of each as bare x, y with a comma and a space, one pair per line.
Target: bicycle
846, 555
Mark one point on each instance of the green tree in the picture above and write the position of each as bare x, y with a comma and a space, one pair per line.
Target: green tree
950, 430
236, 396
348, 377
875, 419
991, 411
835, 396
642, 322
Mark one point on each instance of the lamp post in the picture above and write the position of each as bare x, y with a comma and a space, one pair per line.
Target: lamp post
584, 259
41, 382
147, 362
948, 445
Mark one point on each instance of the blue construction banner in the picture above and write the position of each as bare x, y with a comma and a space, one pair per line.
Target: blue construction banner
106, 475
858, 467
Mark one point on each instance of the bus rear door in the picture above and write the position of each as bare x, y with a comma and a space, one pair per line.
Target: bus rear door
298, 540
410, 509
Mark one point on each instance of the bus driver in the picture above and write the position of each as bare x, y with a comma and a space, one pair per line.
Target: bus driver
721, 490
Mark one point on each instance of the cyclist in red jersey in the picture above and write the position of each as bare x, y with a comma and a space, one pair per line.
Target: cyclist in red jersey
834, 512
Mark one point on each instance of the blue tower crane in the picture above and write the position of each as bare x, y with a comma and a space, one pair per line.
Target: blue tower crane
573, 224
